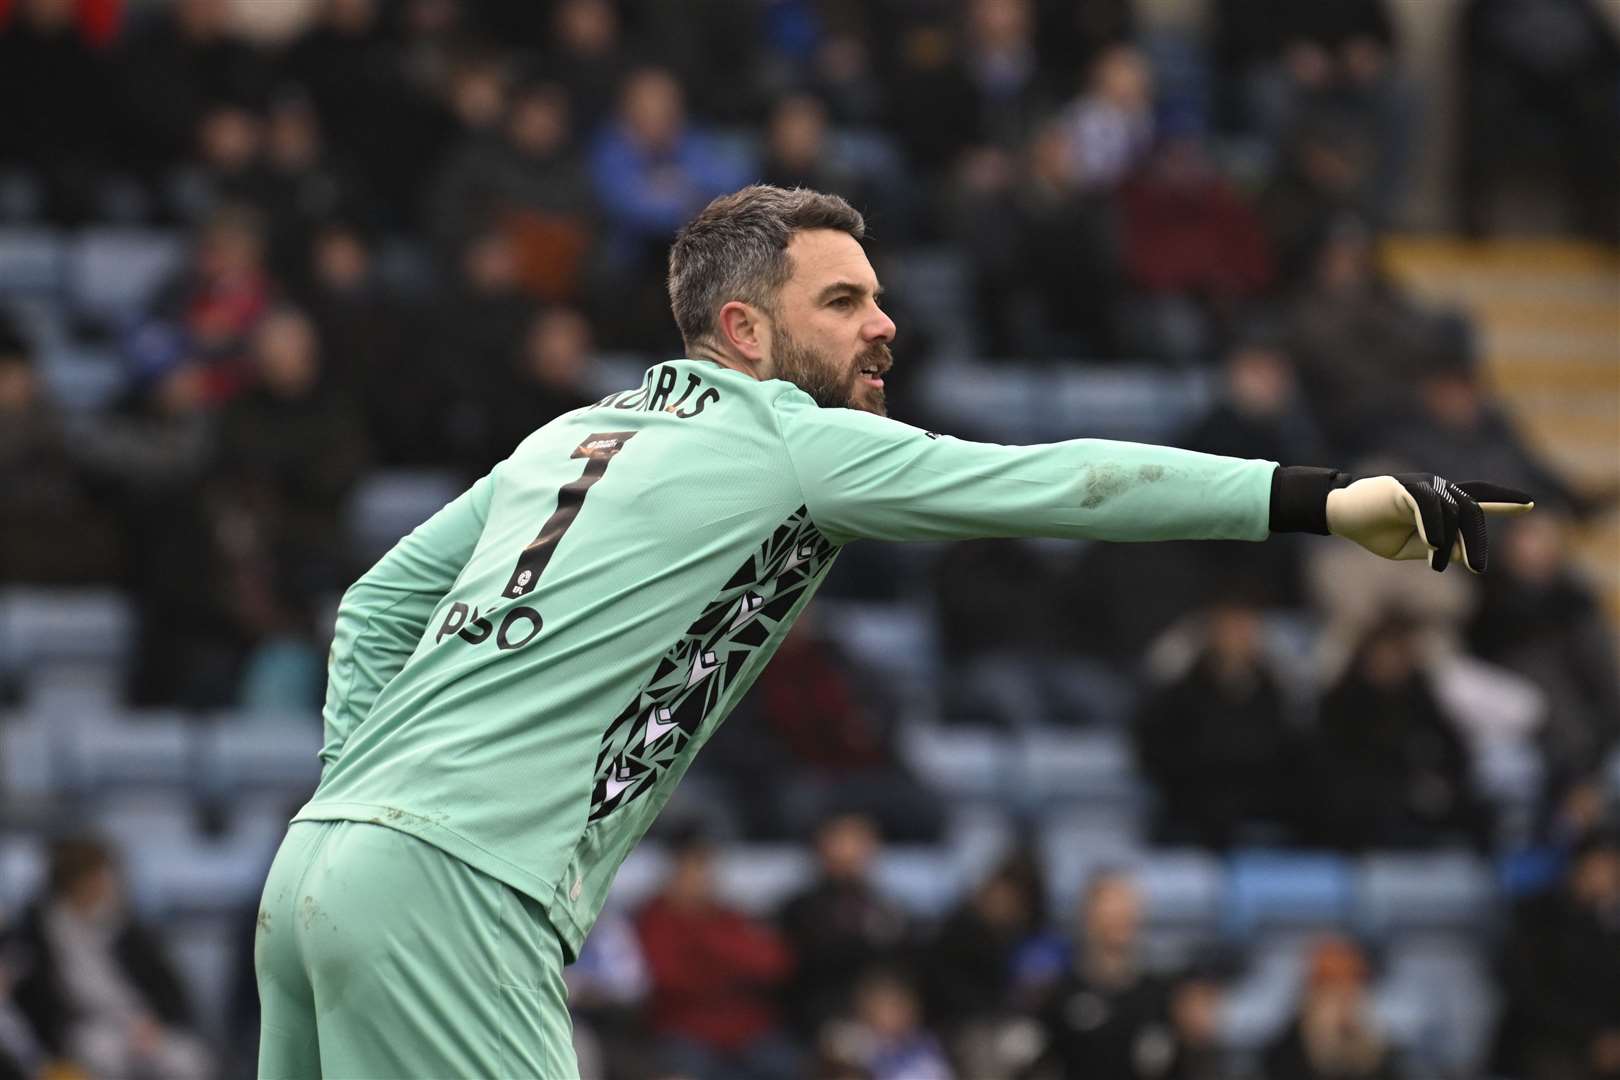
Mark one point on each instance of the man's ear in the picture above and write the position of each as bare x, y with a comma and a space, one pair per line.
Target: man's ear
743, 329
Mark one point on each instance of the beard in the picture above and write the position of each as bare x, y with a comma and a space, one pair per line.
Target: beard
830, 384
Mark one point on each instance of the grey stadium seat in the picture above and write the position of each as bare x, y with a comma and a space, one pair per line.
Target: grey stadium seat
256, 751
31, 261
761, 878
1400, 893
113, 273
1273, 891
391, 503
39, 626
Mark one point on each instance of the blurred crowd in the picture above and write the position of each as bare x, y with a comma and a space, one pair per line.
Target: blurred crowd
414, 228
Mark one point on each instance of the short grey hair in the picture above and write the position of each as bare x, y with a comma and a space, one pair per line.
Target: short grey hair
736, 249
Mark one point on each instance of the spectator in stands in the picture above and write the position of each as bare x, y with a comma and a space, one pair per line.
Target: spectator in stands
530, 183
1538, 82
549, 375
306, 183
1298, 64
1108, 1016
1562, 1016
1335, 1035
1193, 246
1541, 619
53, 528
372, 355
1259, 411
1572, 809
22, 1055
202, 318
96, 983
64, 134
290, 450
1324, 173
798, 153
1358, 339
587, 57
1045, 252
607, 988
825, 724
179, 62
967, 967
842, 924
652, 171
227, 167
474, 324
1389, 767
714, 973
883, 1037
1461, 430
1215, 741
1109, 129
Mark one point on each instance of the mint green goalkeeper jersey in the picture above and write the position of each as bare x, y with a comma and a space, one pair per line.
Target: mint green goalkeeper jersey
524, 678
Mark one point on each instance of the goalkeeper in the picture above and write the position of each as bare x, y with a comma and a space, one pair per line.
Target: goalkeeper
516, 688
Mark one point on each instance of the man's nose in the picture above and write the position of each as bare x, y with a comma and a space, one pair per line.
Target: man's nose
881, 328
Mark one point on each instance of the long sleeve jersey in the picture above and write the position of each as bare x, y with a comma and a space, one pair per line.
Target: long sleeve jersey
523, 679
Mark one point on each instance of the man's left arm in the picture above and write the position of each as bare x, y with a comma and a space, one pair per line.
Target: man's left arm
384, 614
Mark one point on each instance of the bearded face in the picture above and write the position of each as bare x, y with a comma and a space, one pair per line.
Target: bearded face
854, 382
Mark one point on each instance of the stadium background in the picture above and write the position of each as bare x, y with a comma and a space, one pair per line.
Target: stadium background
278, 277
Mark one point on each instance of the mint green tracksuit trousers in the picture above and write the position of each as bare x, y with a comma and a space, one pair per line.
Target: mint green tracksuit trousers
380, 957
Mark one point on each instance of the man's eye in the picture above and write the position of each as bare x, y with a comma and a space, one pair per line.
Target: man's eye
843, 302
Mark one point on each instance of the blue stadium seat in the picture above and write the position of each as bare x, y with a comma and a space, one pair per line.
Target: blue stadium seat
32, 768
1399, 893
83, 379
640, 876
1095, 765
22, 872
1261, 1001
1000, 402
388, 504
961, 761
925, 880
40, 626
31, 261
1118, 402
896, 641
1272, 891
978, 837
195, 874
759, 879
1076, 843
133, 818
1182, 888
113, 273
279, 753
130, 750
1437, 1000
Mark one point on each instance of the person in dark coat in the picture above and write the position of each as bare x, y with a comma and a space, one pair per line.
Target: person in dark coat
1562, 974
1335, 1035
94, 982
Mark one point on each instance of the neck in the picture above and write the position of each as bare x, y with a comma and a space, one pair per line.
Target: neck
725, 360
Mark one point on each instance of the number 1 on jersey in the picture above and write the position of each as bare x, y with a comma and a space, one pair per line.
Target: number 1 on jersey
599, 451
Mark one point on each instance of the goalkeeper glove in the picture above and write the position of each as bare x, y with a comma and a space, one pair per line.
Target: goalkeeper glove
1404, 516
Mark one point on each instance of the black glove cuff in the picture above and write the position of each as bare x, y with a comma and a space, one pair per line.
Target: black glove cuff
1299, 497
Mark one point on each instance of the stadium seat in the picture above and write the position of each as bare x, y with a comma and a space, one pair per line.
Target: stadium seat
1399, 893
1274, 891
195, 874
244, 752
1076, 843
129, 750
978, 837
936, 287
388, 504
1437, 1000
924, 880
761, 878
82, 379
1090, 766
1182, 888
207, 950
31, 261
22, 872
640, 876
39, 626
1261, 1001
113, 273
895, 641
1145, 404
960, 761
994, 402
130, 819
31, 763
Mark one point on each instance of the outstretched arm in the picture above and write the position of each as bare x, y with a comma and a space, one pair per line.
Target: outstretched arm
864, 476
383, 615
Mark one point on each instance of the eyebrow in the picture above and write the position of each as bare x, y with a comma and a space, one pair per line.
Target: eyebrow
845, 287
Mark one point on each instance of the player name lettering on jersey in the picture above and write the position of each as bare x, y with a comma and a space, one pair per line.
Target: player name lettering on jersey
655, 393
